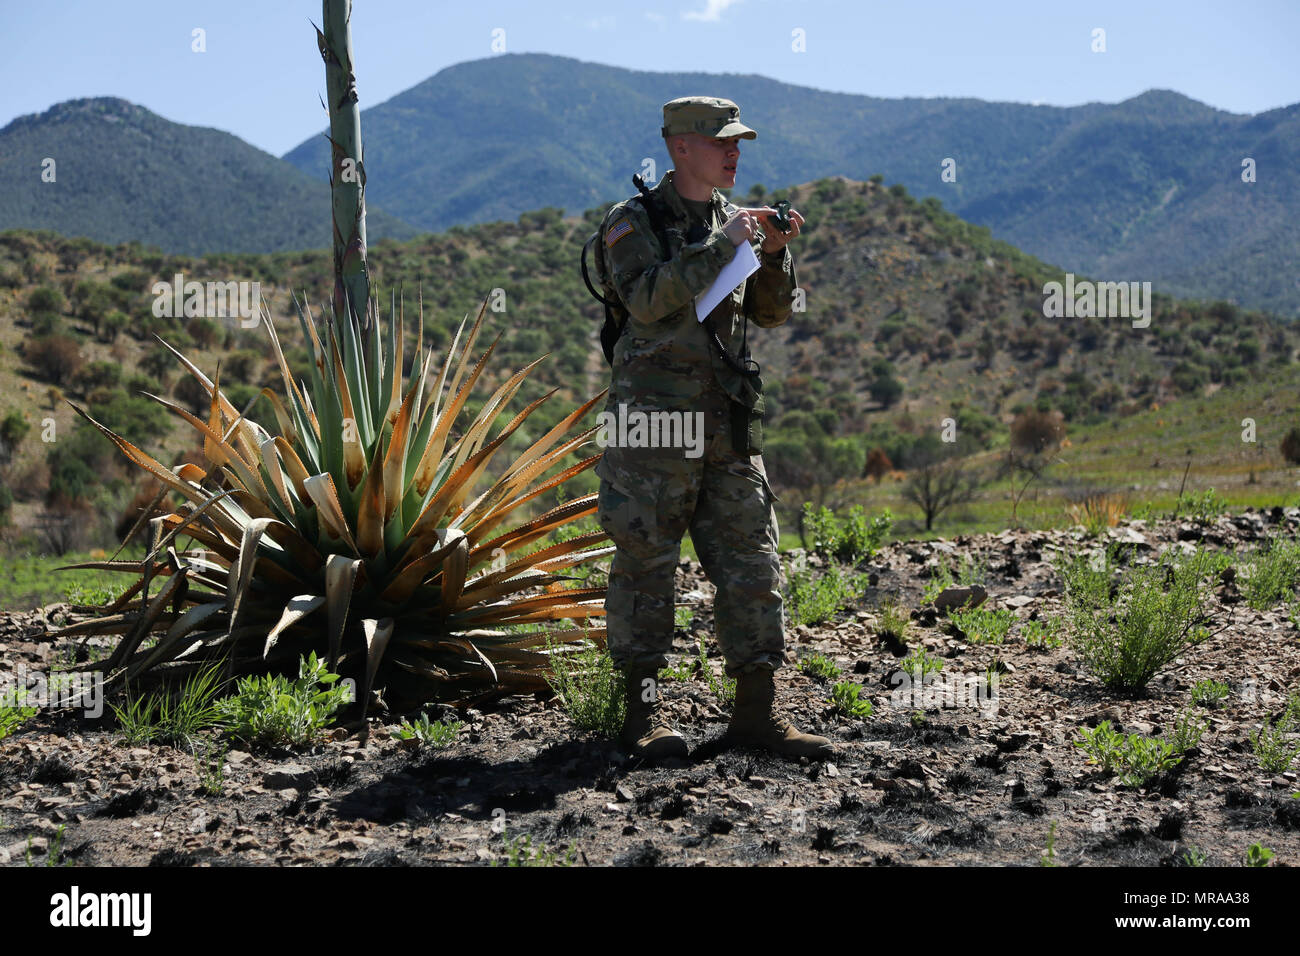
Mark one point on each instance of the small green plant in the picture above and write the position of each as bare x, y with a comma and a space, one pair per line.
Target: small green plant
13, 716
89, 595
1258, 855
722, 687
1137, 759
894, 621
1158, 613
820, 667
812, 598
683, 617
1193, 856
847, 699
174, 717
1202, 508
1041, 635
1048, 857
54, 855
983, 625
970, 570
853, 538
434, 734
589, 688
918, 665
1210, 693
1271, 574
210, 765
918, 719
271, 709
1273, 750
519, 851
1188, 731
941, 579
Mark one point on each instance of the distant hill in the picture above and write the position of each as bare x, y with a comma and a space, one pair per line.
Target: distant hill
913, 316
1148, 189
124, 173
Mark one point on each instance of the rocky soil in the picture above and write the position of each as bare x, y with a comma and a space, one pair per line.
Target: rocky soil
964, 785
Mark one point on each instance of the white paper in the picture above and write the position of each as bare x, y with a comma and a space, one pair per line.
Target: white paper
742, 265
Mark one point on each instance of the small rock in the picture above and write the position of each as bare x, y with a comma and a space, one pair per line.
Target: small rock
624, 793
950, 598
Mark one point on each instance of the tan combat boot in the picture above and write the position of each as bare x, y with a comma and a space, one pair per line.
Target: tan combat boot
754, 724
645, 733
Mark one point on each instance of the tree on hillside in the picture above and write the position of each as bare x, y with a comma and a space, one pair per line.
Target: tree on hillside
1290, 446
937, 478
1036, 437
56, 358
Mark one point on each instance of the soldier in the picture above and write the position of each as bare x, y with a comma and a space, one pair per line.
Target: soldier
659, 251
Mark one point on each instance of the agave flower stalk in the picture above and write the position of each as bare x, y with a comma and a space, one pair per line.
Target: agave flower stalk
364, 527
347, 168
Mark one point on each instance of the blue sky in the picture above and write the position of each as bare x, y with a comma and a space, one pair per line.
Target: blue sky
261, 75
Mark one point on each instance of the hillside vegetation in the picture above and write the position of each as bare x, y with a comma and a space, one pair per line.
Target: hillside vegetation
122, 173
913, 317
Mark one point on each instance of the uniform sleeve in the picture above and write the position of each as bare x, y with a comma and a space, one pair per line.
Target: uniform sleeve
651, 289
769, 299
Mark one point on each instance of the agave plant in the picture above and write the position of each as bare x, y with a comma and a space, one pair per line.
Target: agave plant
355, 529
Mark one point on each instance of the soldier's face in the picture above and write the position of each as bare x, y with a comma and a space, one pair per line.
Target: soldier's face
713, 160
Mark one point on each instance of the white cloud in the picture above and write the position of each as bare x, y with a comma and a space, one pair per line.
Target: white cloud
711, 13
600, 23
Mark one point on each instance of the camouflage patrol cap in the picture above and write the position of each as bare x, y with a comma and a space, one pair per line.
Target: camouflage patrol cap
706, 115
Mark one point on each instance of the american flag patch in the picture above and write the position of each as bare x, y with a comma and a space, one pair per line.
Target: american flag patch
617, 232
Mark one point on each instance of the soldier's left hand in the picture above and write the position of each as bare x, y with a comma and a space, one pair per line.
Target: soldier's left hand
775, 239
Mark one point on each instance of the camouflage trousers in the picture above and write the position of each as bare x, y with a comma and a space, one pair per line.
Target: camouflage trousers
649, 498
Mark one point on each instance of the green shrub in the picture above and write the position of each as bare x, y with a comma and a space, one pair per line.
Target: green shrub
1209, 693
1258, 855
519, 851
1188, 731
853, 538
1202, 508
984, 625
1041, 634
1157, 614
812, 598
435, 733
918, 665
1271, 573
11, 715
174, 717
271, 709
1137, 759
1273, 749
847, 699
894, 621
820, 667
590, 689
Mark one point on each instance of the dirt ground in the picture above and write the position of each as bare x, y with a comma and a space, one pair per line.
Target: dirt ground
967, 785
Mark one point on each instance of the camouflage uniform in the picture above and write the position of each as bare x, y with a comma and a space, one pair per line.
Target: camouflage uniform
649, 497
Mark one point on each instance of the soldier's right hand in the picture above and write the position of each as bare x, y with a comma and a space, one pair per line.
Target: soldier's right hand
743, 224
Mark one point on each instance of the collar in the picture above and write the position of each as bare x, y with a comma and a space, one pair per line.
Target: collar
667, 189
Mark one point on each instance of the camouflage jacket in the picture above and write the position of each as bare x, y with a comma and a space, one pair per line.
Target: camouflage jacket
664, 359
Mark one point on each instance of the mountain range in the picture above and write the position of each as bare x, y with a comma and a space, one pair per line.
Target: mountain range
1150, 189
